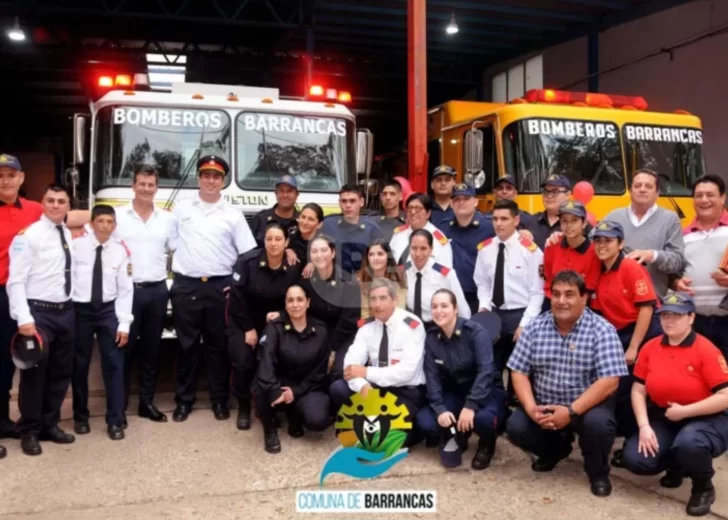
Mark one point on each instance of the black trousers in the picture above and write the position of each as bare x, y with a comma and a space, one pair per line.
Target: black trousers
503, 348
199, 319
103, 324
311, 408
43, 387
473, 302
150, 308
243, 361
596, 429
8, 328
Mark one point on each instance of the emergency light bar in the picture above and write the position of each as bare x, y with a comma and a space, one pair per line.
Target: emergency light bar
589, 99
319, 93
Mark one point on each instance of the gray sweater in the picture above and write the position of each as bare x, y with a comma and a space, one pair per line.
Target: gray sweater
661, 233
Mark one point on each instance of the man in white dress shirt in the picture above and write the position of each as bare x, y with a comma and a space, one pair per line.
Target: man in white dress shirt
103, 295
210, 235
39, 289
392, 343
147, 232
508, 277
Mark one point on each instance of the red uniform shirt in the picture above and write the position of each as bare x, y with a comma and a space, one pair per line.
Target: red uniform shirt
682, 374
622, 290
583, 260
13, 219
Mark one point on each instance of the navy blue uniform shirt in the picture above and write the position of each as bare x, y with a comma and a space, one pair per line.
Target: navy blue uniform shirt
351, 240
464, 242
387, 224
461, 364
440, 217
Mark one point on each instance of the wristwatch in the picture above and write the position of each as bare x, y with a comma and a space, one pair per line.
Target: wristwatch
572, 413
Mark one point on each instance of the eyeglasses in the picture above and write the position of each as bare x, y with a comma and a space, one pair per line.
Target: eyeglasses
552, 193
415, 209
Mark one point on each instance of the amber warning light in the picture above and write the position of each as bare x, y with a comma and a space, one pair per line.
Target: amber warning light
588, 99
319, 93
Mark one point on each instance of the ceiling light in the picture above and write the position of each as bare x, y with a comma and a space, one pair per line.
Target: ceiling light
452, 27
16, 34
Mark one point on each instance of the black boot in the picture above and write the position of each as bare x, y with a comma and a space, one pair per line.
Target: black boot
8, 429
243, 422
272, 443
30, 444
295, 424
702, 497
486, 449
672, 479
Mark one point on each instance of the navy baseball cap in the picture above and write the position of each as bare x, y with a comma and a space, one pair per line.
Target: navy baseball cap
506, 178
463, 190
444, 169
573, 207
609, 229
557, 180
213, 162
677, 302
288, 180
9, 161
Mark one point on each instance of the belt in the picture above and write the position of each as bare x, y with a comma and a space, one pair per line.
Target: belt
142, 285
203, 279
39, 304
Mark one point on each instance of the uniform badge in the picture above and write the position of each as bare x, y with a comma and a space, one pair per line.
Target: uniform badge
641, 287
394, 362
262, 264
362, 226
413, 324
128, 269
457, 332
287, 327
603, 226
270, 217
672, 299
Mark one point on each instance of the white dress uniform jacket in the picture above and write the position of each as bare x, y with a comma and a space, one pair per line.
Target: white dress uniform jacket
116, 275
209, 238
406, 339
523, 285
441, 248
37, 268
149, 242
434, 277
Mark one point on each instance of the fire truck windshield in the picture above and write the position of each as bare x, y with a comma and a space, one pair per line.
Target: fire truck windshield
581, 150
314, 150
167, 138
676, 154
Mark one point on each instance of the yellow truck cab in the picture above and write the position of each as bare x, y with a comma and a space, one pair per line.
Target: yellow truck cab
598, 138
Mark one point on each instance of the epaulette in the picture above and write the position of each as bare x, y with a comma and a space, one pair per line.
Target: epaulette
22, 231
401, 228
413, 324
441, 269
484, 243
364, 321
528, 244
440, 237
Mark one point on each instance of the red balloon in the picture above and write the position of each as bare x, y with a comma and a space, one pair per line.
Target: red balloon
591, 218
406, 189
583, 192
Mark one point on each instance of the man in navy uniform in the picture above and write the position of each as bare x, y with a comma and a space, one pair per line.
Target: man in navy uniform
443, 181
505, 189
39, 289
350, 231
466, 230
283, 212
391, 215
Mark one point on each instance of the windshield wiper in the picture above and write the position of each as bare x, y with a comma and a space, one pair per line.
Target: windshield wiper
195, 157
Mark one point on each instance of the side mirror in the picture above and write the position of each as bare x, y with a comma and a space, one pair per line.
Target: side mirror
79, 138
364, 152
473, 151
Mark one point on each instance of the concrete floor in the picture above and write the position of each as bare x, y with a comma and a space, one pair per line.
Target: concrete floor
205, 469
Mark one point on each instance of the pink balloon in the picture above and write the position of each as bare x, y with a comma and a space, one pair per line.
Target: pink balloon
591, 218
583, 192
406, 188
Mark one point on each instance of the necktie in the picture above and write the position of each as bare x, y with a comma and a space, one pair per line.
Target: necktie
384, 348
498, 288
67, 253
97, 291
418, 296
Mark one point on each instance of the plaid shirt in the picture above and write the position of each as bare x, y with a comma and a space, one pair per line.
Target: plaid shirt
562, 368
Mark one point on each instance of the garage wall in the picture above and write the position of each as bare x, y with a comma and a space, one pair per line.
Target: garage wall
693, 77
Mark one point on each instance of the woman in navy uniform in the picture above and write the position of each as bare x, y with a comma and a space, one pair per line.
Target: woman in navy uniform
335, 299
308, 224
260, 280
292, 375
461, 389
378, 262
680, 397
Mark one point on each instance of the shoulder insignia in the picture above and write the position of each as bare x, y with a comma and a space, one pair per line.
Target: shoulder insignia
441, 269
270, 217
399, 229
413, 324
364, 321
440, 237
22, 231
452, 222
484, 243
126, 248
476, 223
528, 244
